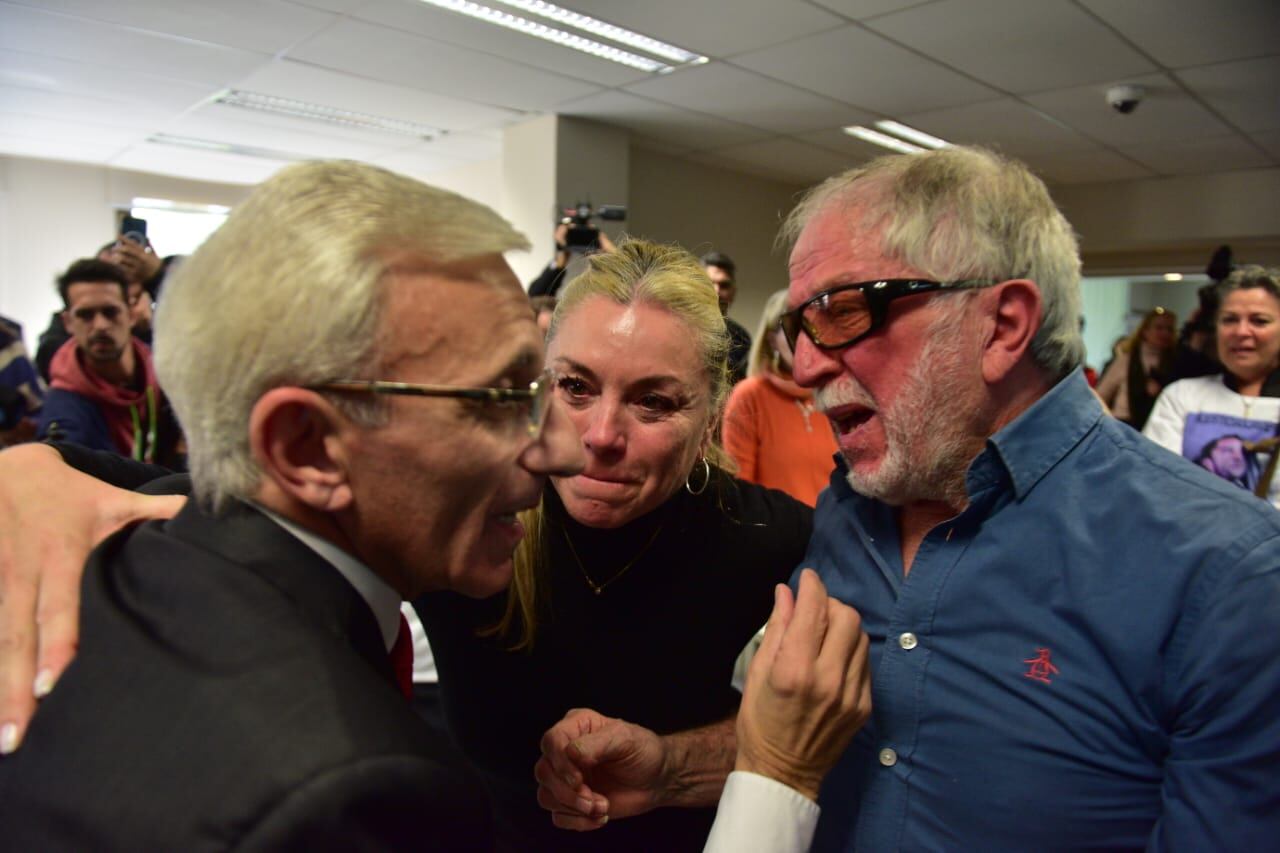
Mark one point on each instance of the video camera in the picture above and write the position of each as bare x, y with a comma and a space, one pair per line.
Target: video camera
583, 236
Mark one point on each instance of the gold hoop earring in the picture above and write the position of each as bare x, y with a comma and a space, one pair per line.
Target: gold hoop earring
706, 478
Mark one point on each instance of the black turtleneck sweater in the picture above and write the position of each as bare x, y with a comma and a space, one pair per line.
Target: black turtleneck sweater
655, 648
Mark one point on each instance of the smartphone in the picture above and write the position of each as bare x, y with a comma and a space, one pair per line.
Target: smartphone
132, 228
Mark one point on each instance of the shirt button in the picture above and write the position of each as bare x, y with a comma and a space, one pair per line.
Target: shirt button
888, 757
908, 641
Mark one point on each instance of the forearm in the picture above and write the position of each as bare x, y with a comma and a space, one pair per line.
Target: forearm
109, 467
697, 763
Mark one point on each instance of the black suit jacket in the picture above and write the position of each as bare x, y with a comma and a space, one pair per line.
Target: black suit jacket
232, 691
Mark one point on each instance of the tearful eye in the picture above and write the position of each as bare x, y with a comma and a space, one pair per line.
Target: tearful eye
656, 403
572, 387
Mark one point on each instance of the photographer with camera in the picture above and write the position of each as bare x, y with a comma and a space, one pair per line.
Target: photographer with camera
575, 236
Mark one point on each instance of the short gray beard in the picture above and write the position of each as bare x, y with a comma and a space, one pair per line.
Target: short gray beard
928, 433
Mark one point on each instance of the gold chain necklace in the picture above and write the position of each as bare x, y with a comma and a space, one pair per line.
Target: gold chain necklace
598, 588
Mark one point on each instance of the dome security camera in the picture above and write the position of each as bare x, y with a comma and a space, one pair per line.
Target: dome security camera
1125, 99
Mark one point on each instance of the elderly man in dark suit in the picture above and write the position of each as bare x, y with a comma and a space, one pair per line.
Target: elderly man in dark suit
360, 378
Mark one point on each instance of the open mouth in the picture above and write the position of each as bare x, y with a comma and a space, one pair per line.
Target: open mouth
847, 419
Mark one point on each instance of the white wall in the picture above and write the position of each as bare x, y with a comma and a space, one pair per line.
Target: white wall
52, 213
529, 189
1106, 309
480, 181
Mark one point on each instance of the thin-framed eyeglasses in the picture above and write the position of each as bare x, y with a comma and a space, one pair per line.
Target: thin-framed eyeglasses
536, 397
841, 316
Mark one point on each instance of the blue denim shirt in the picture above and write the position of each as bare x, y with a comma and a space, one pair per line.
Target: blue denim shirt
1087, 656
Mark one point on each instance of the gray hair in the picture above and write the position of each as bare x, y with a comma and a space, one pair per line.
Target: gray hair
1248, 277
967, 213
289, 292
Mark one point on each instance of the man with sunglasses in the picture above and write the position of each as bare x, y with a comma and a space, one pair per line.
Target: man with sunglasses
104, 393
1072, 632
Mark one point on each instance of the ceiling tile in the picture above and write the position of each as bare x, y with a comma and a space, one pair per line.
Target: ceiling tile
1180, 33
1197, 155
787, 159
715, 29
861, 68
63, 37
342, 7
112, 84
1015, 45
198, 165
852, 149
748, 98
1167, 112
409, 60
37, 127
663, 122
1006, 124
316, 85
1246, 93
281, 133
467, 32
77, 149
1085, 167
860, 10
276, 25
92, 109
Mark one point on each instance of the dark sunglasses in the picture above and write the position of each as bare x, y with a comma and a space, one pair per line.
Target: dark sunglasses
845, 314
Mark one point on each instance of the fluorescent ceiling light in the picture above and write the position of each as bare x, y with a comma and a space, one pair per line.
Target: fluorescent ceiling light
1173, 276
224, 147
875, 137
501, 18
320, 112
912, 135
599, 28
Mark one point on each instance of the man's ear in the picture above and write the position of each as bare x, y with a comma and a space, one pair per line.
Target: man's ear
1014, 318
299, 440
66, 320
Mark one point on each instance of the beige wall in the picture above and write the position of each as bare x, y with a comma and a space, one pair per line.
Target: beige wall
703, 209
52, 213
1174, 224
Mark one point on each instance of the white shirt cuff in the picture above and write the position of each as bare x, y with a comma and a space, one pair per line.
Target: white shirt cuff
761, 814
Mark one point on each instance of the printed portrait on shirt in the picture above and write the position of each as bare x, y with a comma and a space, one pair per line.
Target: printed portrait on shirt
1217, 444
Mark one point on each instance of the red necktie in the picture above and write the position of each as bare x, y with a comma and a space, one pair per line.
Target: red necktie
402, 658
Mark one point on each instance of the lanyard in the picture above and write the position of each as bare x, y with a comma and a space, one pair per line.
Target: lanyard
144, 448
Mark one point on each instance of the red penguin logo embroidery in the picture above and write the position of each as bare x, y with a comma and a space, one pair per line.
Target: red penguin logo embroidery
1040, 668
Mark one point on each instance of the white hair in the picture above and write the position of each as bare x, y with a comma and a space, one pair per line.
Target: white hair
967, 213
288, 292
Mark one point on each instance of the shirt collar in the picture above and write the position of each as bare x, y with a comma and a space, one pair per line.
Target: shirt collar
381, 598
1030, 445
